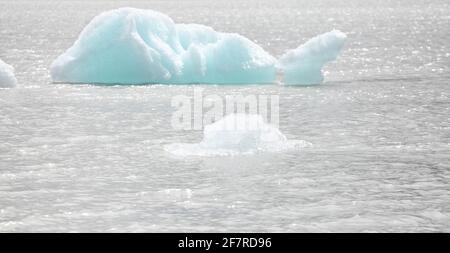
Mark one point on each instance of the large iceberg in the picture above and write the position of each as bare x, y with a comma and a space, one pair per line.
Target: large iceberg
237, 134
7, 78
133, 46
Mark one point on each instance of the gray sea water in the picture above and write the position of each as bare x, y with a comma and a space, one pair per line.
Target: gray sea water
91, 159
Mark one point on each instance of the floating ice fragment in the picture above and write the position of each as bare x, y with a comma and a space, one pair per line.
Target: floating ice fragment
303, 65
177, 193
7, 78
133, 46
237, 134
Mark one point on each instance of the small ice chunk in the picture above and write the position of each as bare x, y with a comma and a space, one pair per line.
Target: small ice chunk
303, 65
176, 193
7, 78
241, 132
237, 134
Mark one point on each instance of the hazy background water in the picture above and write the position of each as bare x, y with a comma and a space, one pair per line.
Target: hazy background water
90, 158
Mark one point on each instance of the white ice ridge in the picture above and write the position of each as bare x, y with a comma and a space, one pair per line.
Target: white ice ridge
134, 46
237, 134
304, 64
7, 78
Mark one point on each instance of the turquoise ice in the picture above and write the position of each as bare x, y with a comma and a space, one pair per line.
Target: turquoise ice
7, 78
133, 46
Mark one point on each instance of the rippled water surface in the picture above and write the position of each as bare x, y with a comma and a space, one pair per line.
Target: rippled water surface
92, 158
